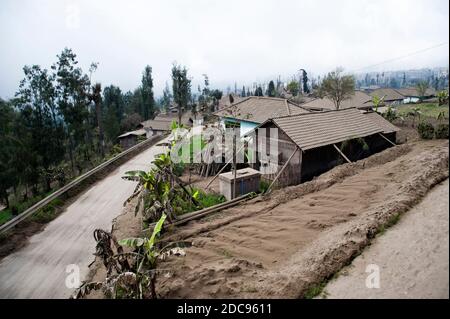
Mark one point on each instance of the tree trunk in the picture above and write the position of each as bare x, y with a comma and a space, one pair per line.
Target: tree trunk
98, 110
48, 186
71, 155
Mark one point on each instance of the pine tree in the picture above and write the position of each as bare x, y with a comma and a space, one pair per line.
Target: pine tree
148, 100
305, 82
271, 89
181, 87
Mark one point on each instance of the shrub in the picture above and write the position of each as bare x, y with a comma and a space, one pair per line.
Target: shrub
442, 131
425, 130
204, 199
178, 169
263, 186
49, 212
208, 200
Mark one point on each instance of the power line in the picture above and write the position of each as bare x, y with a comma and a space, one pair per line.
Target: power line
402, 57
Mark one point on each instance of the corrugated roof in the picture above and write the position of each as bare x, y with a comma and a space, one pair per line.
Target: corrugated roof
388, 93
225, 100
318, 129
159, 125
136, 133
384, 124
163, 121
358, 100
258, 109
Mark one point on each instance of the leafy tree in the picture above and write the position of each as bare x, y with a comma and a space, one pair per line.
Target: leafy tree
133, 102
181, 87
166, 98
113, 102
204, 98
337, 87
148, 101
421, 88
367, 79
8, 147
130, 122
96, 97
216, 95
36, 99
436, 83
73, 100
293, 87
243, 91
393, 83
442, 97
271, 89
112, 126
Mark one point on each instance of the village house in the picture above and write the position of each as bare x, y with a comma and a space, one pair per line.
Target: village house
227, 100
411, 95
312, 143
254, 110
390, 96
160, 125
130, 139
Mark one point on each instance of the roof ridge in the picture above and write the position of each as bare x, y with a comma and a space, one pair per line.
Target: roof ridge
310, 113
287, 107
300, 105
234, 104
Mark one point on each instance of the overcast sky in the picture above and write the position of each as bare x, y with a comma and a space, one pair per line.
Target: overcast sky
242, 41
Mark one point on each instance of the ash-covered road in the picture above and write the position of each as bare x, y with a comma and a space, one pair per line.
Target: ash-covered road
39, 269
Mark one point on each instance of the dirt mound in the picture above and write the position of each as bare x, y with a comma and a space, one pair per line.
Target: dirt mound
277, 197
336, 248
281, 245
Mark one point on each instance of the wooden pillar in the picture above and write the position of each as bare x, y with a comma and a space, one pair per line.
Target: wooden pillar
342, 154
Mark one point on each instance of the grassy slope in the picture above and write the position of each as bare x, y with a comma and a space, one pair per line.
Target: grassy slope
427, 109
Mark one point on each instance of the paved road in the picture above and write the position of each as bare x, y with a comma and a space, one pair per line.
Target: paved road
39, 269
412, 256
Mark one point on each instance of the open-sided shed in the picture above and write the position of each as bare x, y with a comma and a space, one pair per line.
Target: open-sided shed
312, 143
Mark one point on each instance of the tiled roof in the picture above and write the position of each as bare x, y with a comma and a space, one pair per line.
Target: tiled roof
384, 124
158, 125
318, 129
388, 93
358, 100
135, 133
258, 109
163, 121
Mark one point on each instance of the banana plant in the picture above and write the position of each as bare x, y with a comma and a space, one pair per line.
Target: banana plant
377, 101
441, 117
442, 97
159, 194
130, 274
415, 112
150, 252
146, 246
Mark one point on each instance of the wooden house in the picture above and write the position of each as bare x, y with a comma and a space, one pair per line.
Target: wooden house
312, 143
